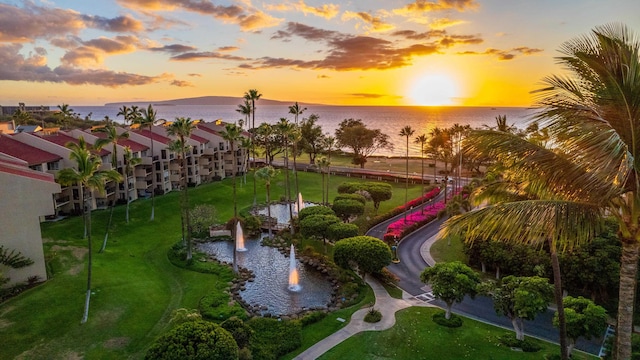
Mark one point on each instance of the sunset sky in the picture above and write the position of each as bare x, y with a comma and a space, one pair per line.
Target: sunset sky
367, 52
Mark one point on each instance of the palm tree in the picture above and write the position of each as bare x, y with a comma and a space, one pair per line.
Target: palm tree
253, 95
232, 133
245, 109
87, 176
267, 174
148, 119
323, 164
407, 132
593, 117
112, 137
295, 138
285, 128
129, 165
245, 143
65, 114
296, 110
328, 143
125, 112
182, 128
422, 140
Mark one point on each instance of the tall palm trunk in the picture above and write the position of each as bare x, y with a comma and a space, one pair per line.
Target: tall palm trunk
406, 185
126, 193
268, 185
295, 170
235, 208
253, 149
186, 204
328, 174
288, 185
557, 292
87, 221
626, 298
153, 181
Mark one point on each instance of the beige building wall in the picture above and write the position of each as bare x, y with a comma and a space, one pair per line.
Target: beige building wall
28, 194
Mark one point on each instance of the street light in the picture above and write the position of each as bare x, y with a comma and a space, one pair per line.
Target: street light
394, 248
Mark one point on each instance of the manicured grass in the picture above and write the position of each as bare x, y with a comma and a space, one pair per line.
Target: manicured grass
394, 291
443, 252
416, 336
135, 286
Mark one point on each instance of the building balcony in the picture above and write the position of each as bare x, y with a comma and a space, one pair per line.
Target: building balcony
204, 172
106, 167
146, 160
209, 151
62, 201
142, 172
204, 161
143, 184
174, 167
175, 177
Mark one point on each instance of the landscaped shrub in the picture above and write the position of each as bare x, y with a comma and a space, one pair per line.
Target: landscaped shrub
314, 210
373, 316
195, 340
527, 345
177, 256
368, 253
347, 208
356, 197
452, 322
400, 228
215, 306
240, 331
274, 338
400, 209
317, 225
339, 231
312, 318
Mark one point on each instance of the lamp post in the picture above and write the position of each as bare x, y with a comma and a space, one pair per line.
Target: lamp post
394, 248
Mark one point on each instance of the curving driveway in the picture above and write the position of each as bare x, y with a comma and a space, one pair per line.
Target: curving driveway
412, 262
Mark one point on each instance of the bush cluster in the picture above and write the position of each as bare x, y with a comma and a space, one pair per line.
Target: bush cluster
373, 316
400, 209
400, 228
215, 306
452, 322
526, 345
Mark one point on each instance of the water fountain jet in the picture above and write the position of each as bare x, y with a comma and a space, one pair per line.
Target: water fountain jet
293, 271
240, 238
299, 205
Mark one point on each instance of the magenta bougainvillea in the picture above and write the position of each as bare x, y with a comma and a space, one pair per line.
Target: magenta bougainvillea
400, 228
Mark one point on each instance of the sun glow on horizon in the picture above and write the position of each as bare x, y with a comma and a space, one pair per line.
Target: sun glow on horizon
434, 90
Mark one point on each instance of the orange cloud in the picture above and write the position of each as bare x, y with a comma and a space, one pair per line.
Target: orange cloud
504, 54
93, 51
327, 11
374, 23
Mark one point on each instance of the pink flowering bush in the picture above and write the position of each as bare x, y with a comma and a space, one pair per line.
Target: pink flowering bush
400, 209
400, 228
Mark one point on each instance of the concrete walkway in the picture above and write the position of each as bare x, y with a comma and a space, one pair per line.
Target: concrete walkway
387, 305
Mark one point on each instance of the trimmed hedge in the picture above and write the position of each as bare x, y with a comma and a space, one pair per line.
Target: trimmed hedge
195, 340
314, 210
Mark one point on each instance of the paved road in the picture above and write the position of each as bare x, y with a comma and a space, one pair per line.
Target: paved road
481, 308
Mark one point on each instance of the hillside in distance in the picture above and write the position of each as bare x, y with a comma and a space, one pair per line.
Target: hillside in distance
205, 100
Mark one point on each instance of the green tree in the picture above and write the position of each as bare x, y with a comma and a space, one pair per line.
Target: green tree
129, 165
370, 255
267, 174
253, 95
315, 210
406, 132
232, 133
13, 259
245, 109
202, 217
241, 332
323, 165
584, 319
195, 340
148, 119
347, 208
317, 226
339, 231
329, 143
520, 298
312, 140
363, 142
65, 113
451, 282
125, 112
285, 129
87, 175
422, 140
111, 137
182, 128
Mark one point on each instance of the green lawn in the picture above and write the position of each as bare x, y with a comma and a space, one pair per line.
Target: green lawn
135, 286
416, 336
445, 251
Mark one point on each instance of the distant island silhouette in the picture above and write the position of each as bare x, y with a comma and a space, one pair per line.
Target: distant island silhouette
206, 100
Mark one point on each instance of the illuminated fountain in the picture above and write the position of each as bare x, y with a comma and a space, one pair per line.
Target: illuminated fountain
293, 271
240, 238
299, 205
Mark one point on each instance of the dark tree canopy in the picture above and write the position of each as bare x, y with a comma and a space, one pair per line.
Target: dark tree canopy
311, 137
451, 282
362, 141
195, 340
369, 254
377, 190
341, 231
317, 225
347, 208
314, 210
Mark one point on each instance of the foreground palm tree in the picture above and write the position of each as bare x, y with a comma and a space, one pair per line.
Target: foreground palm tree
593, 116
129, 165
422, 140
182, 129
285, 129
323, 165
148, 119
253, 95
267, 174
232, 133
407, 132
87, 176
112, 138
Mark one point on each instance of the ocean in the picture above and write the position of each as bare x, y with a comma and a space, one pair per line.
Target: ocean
389, 119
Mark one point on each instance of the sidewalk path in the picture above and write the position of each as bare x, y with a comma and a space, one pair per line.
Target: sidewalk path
387, 305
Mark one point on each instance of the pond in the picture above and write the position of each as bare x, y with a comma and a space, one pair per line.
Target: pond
269, 289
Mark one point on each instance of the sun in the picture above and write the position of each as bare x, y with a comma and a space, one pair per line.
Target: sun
434, 90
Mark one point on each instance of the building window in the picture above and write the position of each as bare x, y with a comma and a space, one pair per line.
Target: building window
54, 165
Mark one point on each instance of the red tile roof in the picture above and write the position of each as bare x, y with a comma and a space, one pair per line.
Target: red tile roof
203, 127
12, 168
199, 139
28, 153
63, 139
134, 146
154, 136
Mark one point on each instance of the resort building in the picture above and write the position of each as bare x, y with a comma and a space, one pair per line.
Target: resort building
27, 193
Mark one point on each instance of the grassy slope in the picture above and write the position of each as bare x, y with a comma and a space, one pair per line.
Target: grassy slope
135, 286
416, 336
